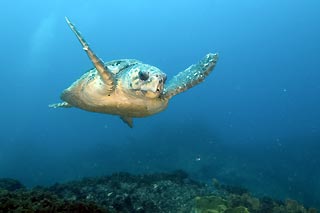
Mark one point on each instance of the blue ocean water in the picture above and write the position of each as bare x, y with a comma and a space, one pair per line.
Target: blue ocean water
255, 121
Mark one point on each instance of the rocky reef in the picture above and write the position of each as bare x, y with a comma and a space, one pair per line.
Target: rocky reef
124, 192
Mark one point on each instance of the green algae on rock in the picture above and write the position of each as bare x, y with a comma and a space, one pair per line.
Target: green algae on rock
210, 204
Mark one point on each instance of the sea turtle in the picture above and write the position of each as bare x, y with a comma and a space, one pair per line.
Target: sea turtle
128, 87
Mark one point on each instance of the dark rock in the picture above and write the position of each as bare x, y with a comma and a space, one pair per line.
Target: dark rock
10, 184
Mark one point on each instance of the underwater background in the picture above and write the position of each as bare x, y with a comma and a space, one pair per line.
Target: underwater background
254, 122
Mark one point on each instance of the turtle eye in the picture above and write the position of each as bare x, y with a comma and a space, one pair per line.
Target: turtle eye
143, 75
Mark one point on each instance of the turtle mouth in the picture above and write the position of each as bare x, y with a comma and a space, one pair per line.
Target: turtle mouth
161, 85
155, 92
159, 88
154, 87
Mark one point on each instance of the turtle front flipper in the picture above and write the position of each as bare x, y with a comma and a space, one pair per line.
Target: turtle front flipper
105, 74
190, 77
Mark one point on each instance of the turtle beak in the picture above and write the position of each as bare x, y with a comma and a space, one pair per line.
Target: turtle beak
154, 88
161, 84
157, 91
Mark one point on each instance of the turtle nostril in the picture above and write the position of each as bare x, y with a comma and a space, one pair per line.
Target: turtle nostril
160, 81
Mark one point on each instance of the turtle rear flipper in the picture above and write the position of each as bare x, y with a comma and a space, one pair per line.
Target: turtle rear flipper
127, 120
60, 105
190, 77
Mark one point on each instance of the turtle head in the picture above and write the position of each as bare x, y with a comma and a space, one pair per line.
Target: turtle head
146, 79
